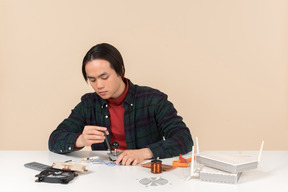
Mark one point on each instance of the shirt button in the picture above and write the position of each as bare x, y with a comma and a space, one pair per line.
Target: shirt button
61, 150
131, 104
106, 116
69, 148
106, 105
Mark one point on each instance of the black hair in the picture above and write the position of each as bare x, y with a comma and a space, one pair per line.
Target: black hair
107, 52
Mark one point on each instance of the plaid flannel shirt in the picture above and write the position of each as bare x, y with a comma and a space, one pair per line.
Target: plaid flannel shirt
150, 120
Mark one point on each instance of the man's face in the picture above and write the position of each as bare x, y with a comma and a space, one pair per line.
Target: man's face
104, 80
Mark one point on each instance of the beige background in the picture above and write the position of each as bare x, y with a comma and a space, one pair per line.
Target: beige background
223, 64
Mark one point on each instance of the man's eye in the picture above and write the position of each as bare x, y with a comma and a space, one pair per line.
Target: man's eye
105, 78
92, 80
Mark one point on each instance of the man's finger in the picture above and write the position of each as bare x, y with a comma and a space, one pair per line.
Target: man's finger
129, 161
97, 128
135, 162
119, 159
94, 132
95, 137
124, 160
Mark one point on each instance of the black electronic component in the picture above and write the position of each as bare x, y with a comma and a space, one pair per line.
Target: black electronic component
114, 154
51, 175
36, 166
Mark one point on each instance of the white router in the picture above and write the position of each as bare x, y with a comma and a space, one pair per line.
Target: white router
229, 162
222, 166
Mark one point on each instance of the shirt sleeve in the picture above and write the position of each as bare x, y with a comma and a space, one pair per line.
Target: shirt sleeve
177, 136
63, 138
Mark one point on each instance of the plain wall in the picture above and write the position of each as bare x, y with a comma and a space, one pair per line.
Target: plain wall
223, 64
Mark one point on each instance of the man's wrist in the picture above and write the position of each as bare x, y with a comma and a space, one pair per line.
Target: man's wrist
147, 153
79, 143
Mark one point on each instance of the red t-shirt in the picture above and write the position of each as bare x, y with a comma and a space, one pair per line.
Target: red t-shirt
116, 110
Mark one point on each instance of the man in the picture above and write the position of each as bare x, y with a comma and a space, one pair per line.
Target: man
140, 119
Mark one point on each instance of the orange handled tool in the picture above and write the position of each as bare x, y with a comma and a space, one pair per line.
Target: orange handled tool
182, 162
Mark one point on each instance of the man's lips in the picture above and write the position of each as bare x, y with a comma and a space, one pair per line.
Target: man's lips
102, 92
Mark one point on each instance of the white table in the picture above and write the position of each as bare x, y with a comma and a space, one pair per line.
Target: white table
271, 175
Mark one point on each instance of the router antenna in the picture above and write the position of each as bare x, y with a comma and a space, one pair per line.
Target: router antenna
260, 152
192, 165
197, 146
192, 162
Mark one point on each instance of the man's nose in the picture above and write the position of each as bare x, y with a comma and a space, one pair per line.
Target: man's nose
100, 84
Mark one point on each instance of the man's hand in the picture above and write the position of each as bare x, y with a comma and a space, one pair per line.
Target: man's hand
91, 134
133, 157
